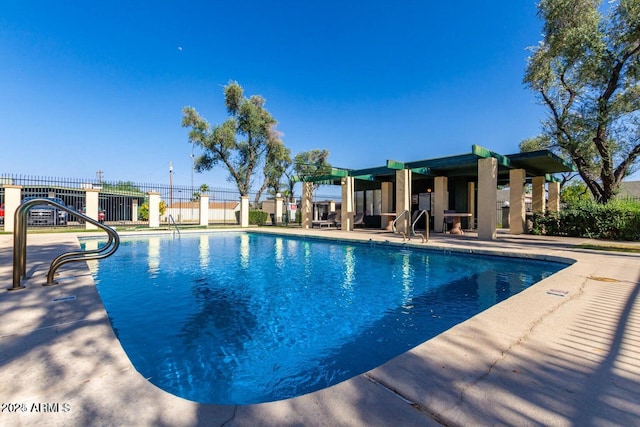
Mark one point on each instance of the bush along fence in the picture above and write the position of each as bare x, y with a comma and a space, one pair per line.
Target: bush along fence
124, 203
616, 220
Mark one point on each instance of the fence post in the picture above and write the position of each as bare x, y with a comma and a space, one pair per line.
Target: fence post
134, 210
154, 209
244, 211
278, 209
91, 204
12, 199
204, 210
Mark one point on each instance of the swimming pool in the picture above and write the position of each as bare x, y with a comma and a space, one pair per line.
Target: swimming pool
239, 318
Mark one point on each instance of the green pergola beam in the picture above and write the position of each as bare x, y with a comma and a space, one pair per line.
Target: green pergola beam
486, 153
380, 170
367, 177
421, 171
392, 164
333, 174
337, 172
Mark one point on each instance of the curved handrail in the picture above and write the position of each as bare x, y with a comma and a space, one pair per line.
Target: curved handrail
171, 220
83, 253
107, 250
393, 224
20, 242
425, 236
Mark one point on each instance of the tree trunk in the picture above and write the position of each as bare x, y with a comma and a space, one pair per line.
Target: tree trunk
256, 201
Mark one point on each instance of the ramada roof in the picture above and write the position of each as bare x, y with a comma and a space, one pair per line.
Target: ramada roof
535, 163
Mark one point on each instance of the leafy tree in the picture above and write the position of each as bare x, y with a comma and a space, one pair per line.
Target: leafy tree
122, 187
277, 159
241, 143
585, 71
305, 165
574, 193
311, 164
543, 142
290, 180
203, 189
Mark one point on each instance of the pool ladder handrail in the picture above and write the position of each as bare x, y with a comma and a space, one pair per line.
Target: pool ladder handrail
425, 236
171, 220
20, 242
393, 224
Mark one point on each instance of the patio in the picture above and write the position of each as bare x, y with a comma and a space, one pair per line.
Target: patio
563, 352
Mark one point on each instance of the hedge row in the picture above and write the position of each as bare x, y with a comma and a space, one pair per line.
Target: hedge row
616, 220
258, 217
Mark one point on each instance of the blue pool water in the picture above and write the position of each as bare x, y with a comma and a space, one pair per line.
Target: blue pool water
237, 318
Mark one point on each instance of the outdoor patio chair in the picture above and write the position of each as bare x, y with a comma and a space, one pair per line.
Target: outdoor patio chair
358, 219
329, 222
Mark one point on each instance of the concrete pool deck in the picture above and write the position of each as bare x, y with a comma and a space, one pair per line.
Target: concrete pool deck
564, 352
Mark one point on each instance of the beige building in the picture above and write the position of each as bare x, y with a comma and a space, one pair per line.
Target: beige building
458, 192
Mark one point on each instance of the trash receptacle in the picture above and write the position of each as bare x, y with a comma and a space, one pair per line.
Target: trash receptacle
505, 216
273, 219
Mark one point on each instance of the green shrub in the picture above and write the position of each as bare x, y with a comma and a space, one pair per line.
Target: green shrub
616, 220
258, 217
143, 211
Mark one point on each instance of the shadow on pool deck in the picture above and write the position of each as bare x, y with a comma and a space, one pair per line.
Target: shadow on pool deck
538, 358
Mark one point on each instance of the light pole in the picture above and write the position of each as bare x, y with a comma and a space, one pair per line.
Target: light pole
170, 184
192, 192
192, 167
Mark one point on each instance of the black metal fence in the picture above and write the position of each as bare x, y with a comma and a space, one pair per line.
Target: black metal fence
502, 208
125, 203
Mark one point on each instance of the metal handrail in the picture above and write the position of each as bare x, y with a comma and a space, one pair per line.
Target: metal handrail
393, 224
171, 220
425, 236
20, 242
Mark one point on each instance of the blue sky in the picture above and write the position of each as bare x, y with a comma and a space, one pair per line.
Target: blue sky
101, 85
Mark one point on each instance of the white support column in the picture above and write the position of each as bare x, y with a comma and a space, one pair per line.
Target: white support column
12, 200
278, 210
244, 211
154, 209
134, 210
387, 197
386, 204
91, 204
403, 199
204, 211
517, 181
307, 204
440, 201
348, 206
538, 194
554, 196
487, 198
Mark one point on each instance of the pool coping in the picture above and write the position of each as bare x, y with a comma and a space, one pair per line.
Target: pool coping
509, 365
